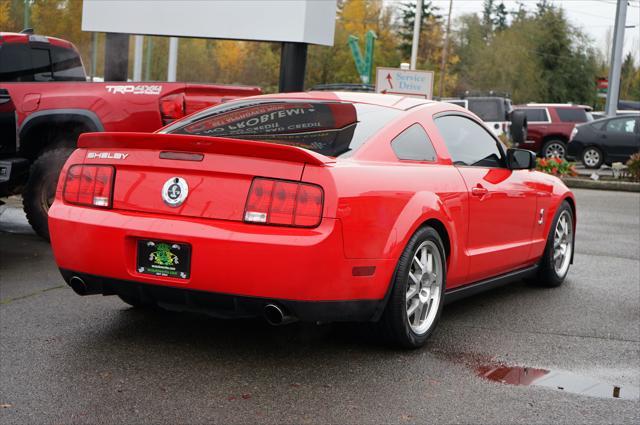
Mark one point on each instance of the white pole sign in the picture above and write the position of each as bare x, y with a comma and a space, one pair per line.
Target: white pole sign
404, 82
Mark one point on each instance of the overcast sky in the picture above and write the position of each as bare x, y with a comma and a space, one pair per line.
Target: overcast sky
595, 17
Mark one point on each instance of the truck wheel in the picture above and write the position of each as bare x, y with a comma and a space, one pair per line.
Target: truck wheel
40, 190
554, 149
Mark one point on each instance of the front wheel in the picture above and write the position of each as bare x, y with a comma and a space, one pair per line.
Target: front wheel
416, 298
558, 252
592, 157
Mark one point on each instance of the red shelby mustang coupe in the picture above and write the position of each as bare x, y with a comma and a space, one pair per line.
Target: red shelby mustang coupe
313, 206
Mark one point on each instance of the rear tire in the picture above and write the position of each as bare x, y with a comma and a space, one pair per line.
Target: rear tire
40, 189
554, 149
558, 253
592, 157
415, 303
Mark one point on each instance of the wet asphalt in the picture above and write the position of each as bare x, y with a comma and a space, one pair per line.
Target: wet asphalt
71, 359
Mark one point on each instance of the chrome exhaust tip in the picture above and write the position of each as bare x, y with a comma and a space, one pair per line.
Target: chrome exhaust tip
276, 316
78, 285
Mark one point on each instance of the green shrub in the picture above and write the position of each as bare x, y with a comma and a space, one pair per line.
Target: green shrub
556, 166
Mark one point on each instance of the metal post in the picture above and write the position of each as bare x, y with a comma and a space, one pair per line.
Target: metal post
613, 93
137, 58
416, 34
173, 59
149, 55
293, 61
27, 13
443, 66
94, 54
116, 57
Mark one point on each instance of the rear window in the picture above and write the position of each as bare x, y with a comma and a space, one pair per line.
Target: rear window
329, 128
572, 115
67, 65
488, 109
536, 115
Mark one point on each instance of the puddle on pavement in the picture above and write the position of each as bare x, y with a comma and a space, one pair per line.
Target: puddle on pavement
557, 380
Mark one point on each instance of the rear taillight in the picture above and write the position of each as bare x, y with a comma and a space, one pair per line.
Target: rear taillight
172, 107
284, 203
90, 185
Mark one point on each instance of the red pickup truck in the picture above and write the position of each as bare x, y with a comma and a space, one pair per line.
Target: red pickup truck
46, 103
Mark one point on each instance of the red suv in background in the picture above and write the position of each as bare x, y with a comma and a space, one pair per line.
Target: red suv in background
550, 126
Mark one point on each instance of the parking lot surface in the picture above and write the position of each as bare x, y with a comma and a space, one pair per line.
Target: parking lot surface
71, 359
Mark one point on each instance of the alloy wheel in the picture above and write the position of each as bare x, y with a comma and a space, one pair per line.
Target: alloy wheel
591, 157
424, 287
563, 243
555, 150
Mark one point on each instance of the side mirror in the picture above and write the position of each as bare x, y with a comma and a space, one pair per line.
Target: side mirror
518, 128
520, 159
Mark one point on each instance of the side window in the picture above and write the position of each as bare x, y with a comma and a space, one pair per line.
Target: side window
41, 63
414, 144
536, 115
621, 125
468, 142
67, 65
15, 63
572, 115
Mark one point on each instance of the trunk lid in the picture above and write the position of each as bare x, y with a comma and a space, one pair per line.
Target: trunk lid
217, 171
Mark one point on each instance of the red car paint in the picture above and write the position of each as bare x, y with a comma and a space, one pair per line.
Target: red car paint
373, 203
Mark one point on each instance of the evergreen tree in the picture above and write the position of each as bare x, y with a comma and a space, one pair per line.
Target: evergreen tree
500, 17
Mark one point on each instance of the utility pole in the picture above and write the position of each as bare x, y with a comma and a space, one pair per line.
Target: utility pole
613, 93
416, 34
443, 66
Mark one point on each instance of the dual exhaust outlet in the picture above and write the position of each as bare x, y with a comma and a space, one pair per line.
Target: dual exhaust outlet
273, 313
276, 316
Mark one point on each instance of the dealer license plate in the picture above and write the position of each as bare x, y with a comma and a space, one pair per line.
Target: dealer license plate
162, 258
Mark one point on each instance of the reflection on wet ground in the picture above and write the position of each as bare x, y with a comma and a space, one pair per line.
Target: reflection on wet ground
557, 380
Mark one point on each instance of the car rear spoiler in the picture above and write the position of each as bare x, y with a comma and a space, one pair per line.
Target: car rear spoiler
187, 143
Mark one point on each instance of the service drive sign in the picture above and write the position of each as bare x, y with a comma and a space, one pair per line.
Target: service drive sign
404, 82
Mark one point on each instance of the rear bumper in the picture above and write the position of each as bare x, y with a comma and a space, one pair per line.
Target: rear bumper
223, 305
230, 258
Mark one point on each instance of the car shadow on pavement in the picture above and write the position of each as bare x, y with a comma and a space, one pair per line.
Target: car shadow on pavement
174, 331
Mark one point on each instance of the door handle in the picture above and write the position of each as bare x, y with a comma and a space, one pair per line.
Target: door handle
479, 191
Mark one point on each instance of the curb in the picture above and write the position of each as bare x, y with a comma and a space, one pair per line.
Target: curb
601, 185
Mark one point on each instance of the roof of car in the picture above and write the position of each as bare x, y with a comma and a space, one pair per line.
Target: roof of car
554, 105
388, 100
15, 37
